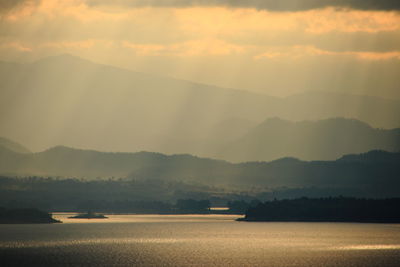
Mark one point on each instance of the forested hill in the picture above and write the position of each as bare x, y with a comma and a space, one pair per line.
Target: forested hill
375, 170
327, 210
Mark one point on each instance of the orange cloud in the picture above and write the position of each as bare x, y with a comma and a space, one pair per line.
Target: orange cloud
217, 21
52, 9
329, 20
22, 10
297, 52
70, 44
281, 5
203, 47
194, 31
16, 46
223, 21
145, 49
377, 56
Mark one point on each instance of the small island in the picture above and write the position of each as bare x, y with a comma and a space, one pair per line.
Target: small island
25, 216
338, 209
88, 215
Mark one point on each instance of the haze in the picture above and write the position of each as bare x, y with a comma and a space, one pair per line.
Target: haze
170, 125
66, 80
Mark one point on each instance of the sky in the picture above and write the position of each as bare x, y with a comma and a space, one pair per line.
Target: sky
278, 48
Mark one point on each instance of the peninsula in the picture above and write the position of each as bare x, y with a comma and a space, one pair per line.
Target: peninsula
338, 209
25, 215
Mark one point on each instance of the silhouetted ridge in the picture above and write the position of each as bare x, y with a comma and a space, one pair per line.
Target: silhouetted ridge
374, 156
377, 176
326, 139
327, 210
13, 146
287, 160
26, 215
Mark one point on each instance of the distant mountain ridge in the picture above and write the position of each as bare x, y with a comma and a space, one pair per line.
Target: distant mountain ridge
309, 140
372, 156
276, 138
372, 174
70, 162
13, 146
83, 104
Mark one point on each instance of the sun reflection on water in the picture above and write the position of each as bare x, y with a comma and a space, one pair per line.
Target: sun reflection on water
368, 247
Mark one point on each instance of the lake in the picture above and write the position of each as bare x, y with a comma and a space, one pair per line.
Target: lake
197, 240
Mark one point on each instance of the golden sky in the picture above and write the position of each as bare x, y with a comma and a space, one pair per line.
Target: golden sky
274, 47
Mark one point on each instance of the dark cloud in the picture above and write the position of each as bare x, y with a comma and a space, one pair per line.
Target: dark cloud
8, 5
273, 5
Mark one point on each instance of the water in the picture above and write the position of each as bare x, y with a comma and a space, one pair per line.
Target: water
197, 240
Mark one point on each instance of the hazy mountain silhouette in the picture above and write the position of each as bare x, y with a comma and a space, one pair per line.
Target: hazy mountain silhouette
70, 162
375, 156
309, 140
372, 173
13, 146
377, 112
109, 108
72, 101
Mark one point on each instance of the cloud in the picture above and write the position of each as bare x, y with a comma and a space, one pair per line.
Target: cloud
273, 5
300, 51
86, 44
9, 5
17, 46
204, 47
236, 22
214, 43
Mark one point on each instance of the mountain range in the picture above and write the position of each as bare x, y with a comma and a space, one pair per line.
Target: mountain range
369, 174
275, 138
75, 102
13, 146
326, 139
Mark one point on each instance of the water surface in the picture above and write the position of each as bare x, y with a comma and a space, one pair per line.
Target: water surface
197, 240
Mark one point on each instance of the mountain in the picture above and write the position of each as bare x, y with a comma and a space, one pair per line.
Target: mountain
353, 174
372, 157
13, 146
72, 101
309, 140
69, 162
375, 111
